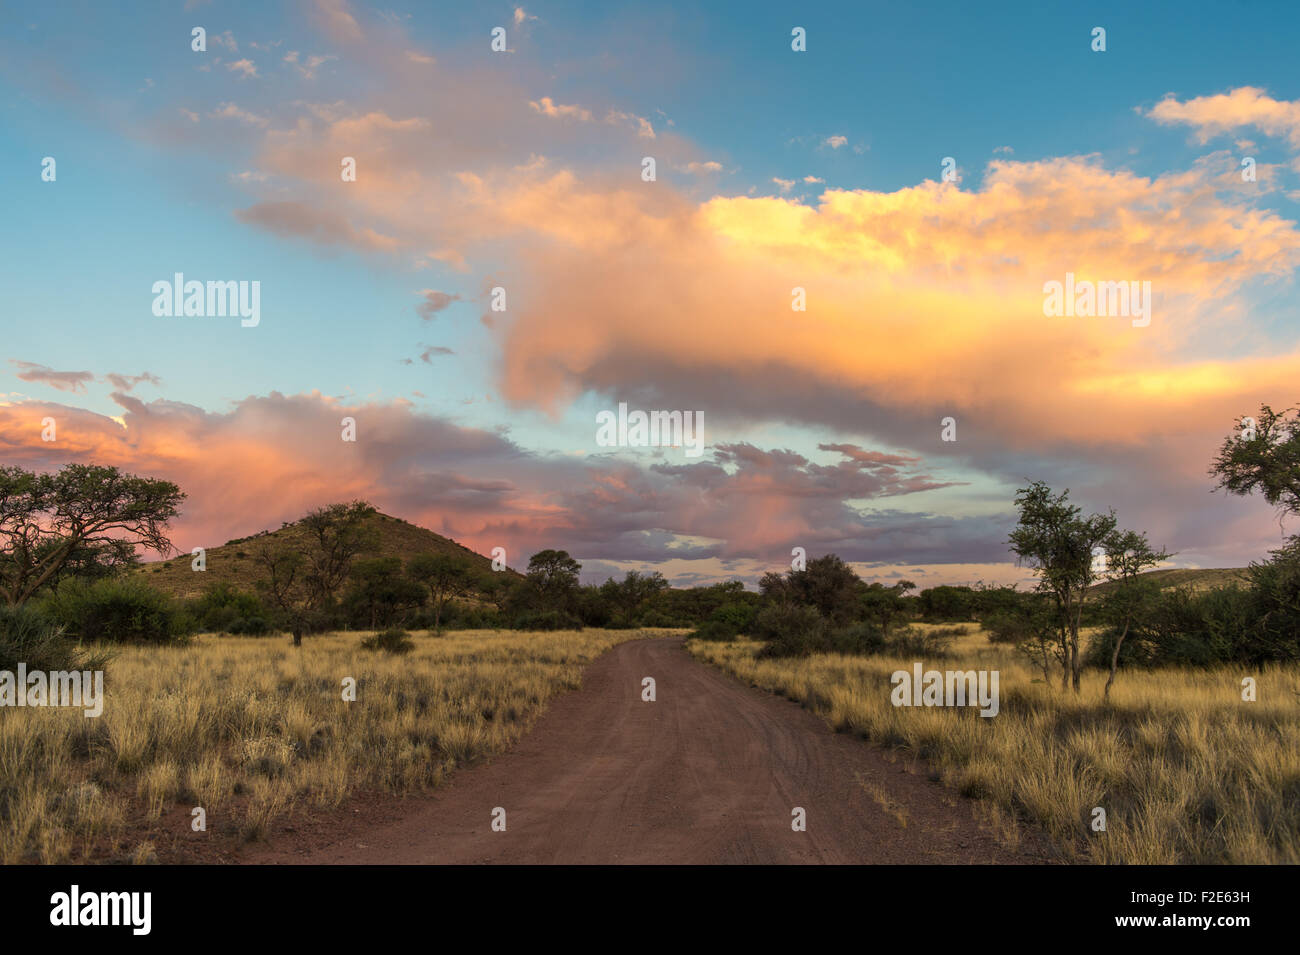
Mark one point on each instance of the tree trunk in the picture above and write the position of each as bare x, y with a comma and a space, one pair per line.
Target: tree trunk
1075, 662
1114, 660
297, 636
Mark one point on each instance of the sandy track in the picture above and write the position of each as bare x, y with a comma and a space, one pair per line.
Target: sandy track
709, 773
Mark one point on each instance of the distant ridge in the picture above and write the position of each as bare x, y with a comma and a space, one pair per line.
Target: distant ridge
236, 562
1197, 579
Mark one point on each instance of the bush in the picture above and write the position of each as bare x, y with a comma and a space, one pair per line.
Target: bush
118, 610
27, 636
249, 627
714, 630
736, 615
1186, 628
658, 618
863, 639
459, 615
394, 640
224, 608
946, 603
727, 622
547, 620
790, 630
915, 642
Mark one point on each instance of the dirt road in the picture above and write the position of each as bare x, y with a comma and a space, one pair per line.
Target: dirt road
708, 773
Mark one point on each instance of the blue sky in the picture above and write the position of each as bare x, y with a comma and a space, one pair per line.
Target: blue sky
144, 191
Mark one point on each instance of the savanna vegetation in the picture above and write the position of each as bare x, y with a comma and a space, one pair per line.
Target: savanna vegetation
252, 730
1194, 754
1122, 688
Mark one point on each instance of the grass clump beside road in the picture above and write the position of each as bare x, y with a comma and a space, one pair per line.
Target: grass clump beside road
253, 729
1186, 771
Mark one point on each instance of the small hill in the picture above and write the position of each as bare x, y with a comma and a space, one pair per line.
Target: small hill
1198, 579
235, 561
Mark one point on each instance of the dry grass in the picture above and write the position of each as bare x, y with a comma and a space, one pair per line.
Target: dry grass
1186, 771
251, 729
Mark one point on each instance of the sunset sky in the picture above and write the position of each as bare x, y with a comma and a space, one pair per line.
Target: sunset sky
775, 169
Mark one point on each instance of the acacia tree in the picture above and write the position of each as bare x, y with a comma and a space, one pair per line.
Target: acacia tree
554, 576
884, 605
1263, 455
1128, 555
635, 591
825, 583
446, 575
49, 522
1054, 539
381, 589
303, 578
1030, 621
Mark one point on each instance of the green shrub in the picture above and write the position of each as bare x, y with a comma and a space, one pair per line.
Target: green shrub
547, 620
27, 636
714, 630
791, 630
864, 639
459, 615
915, 642
117, 610
394, 640
224, 608
726, 622
1222, 625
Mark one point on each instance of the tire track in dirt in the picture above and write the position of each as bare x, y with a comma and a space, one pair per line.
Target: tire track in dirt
709, 773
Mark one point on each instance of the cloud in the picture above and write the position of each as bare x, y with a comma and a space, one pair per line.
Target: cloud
434, 302
703, 168
835, 142
336, 19
247, 68
73, 381
643, 127
305, 220
813, 179
306, 67
127, 382
270, 458
231, 111
226, 40
924, 301
1246, 106
427, 355
547, 107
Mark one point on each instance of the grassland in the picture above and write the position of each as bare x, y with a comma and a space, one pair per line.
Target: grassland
251, 729
1186, 771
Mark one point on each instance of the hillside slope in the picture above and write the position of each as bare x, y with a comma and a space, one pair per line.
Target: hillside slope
1198, 579
236, 562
